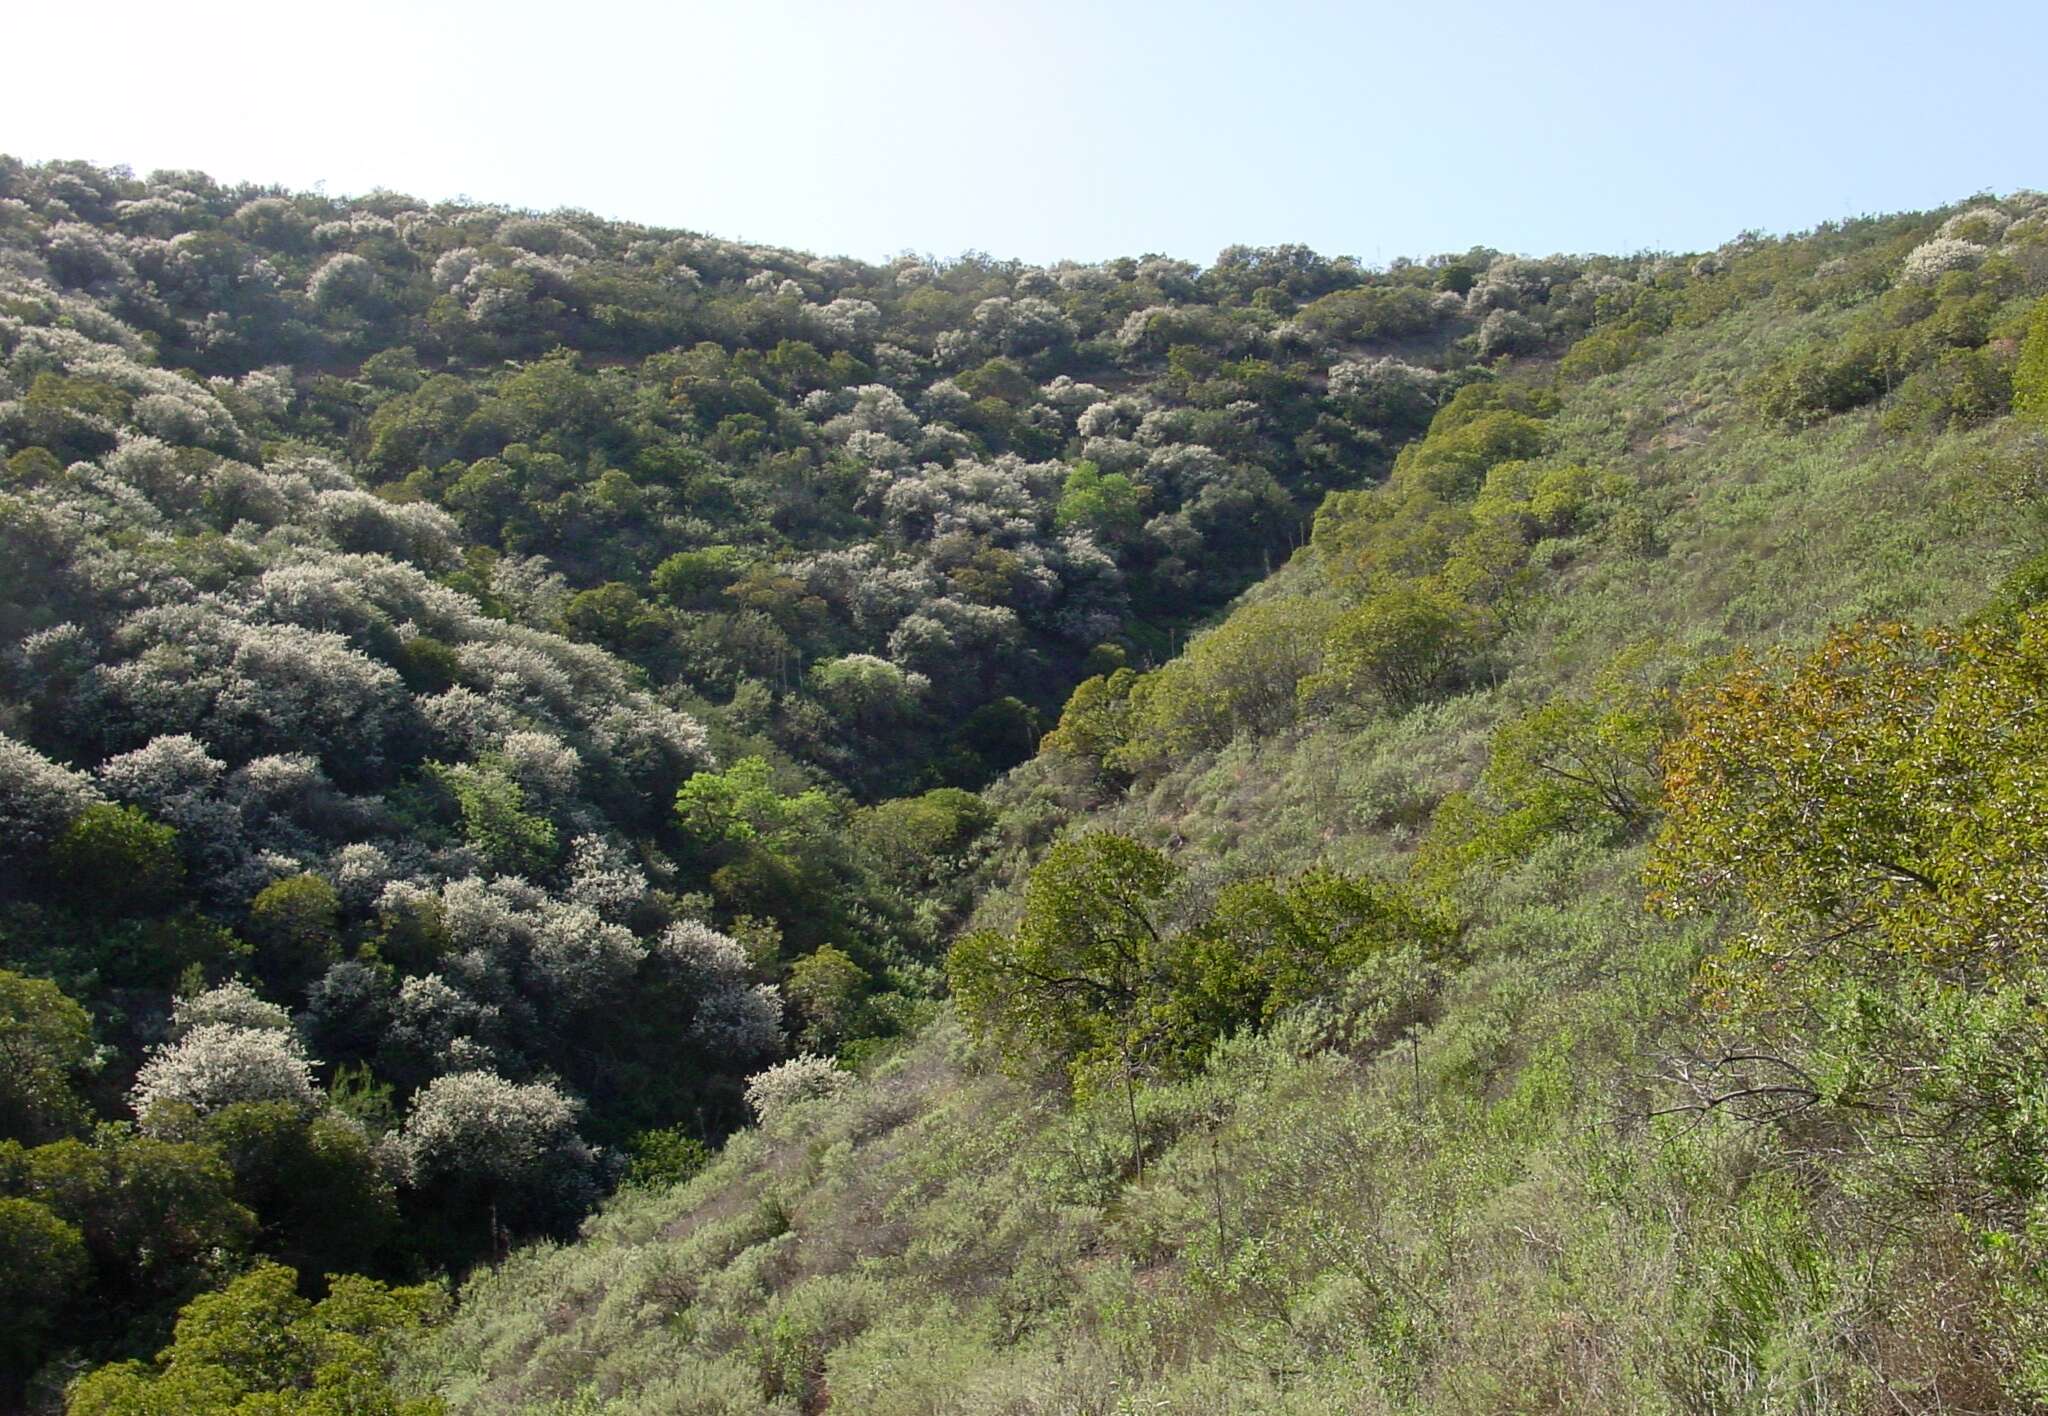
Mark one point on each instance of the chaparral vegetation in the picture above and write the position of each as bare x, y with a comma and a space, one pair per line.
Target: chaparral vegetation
600, 820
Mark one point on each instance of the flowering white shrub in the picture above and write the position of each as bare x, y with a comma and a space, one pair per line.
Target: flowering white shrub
218, 1064
1115, 417
544, 766
342, 280
578, 957
38, 798
546, 238
802, 1078
1983, 224
708, 959
1515, 283
1507, 331
604, 877
233, 1004
740, 1022
452, 269
847, 321
413, 531
272, 221
1930, 260
360, 870
82, 255
478, 1124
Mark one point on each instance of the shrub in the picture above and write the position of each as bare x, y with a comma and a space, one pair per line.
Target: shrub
501, 1151
1400, 647
803, 1078
45, 1045
116, 860
218, 1064
1930, 260
2030, 378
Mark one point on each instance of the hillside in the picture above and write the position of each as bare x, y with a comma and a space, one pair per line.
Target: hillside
1486, 1174
1219, 819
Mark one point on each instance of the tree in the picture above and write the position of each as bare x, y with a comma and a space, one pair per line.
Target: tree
828, 988
256, 1346
295, 924
1240, 677
1401, 646
1271, 945
45, 1044
1069, 984
742, 805
45, 1263
116, 860
1579, 762
322, 1202
156, 1216
1108, 505
495, 819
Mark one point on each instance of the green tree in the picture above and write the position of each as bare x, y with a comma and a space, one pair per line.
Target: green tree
2030, 377
322, 1203
1271, 945
1239, 678
256, 1348
696, 580
1400, 647
45, 1046
156, 1216
743, 805
1580, 762
495, 819
115, 860
295, 924
1097, 722
828, 989
44, 1261
1109, 505
1071, 983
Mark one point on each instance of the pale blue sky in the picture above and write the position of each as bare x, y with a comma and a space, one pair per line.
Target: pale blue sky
1065, 129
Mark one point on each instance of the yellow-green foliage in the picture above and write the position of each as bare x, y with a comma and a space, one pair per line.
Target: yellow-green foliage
1875, 804
1239, 677
1398, 648
257, 1347
2030, 378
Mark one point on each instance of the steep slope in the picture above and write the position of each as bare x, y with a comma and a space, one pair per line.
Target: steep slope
1582, 1157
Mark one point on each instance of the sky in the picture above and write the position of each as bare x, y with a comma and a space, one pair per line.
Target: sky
1047, 131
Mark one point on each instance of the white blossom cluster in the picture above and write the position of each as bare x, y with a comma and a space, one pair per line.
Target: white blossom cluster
233, 1004
1516, 283
38, 799
1931, 260
544, 237
803, 1078
479, 1124
216, 1064
1384, 382
1980, 224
